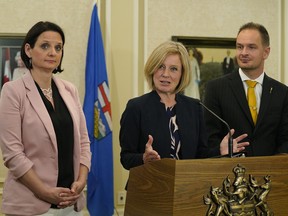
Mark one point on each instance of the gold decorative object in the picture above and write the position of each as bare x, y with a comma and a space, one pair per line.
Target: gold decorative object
242, 198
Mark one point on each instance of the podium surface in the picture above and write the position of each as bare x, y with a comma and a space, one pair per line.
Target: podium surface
209, 187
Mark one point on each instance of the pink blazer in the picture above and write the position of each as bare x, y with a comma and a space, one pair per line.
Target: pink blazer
28, 140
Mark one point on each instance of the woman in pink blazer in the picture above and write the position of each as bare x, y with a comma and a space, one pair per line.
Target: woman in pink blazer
43, 135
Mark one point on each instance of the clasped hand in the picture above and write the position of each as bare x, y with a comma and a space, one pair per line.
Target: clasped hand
64, 197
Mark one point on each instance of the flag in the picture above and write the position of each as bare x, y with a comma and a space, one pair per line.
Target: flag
7, 67
97, 110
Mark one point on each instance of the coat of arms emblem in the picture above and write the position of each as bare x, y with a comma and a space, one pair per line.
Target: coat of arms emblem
241, 198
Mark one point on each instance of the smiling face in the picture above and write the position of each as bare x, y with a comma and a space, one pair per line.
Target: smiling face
47, 53
167, 77
250, 52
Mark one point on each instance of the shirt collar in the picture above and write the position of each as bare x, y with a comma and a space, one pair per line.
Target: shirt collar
244, 77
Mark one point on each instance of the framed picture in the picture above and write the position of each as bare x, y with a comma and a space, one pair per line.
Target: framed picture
10, 60
214, 57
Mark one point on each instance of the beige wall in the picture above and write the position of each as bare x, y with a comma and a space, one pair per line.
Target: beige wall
220, 18
17, 16
132, 29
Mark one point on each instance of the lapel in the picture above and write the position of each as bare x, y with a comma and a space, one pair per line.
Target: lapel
68, 96
39, 107
237, 88
265, 98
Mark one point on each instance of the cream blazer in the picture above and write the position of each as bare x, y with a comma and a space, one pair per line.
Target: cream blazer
28, 140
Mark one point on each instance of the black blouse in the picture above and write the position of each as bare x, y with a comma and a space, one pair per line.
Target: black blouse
63, 127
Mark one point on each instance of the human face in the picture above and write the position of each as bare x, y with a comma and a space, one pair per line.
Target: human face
250, 52
47, 52
167, 77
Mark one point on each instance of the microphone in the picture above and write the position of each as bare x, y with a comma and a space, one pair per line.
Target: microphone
230, 138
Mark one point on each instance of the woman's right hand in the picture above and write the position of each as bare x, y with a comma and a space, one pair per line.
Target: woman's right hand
62, 197
53, 195
150, 154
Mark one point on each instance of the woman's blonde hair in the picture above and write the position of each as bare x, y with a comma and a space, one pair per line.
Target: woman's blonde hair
159, 55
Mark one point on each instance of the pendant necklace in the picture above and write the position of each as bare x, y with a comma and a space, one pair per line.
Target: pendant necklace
48, 93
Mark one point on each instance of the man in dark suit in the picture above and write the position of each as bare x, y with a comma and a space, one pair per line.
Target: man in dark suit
226, 96
228, 64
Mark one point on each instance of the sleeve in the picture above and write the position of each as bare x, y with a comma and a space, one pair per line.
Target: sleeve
130, 131
85, 153
10, 132
283, 128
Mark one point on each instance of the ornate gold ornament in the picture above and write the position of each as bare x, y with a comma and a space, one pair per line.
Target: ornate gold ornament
242, 198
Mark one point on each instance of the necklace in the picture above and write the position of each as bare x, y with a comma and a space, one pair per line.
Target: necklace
47, 93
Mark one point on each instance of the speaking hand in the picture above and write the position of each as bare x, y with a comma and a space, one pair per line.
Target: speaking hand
238, 146
150, 154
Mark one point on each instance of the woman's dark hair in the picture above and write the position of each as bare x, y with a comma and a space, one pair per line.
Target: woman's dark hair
32, 37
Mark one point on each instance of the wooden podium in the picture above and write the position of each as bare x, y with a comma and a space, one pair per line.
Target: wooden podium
178, 187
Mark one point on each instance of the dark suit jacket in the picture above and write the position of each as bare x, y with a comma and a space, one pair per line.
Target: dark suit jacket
147, 115
226, 97
230, 68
